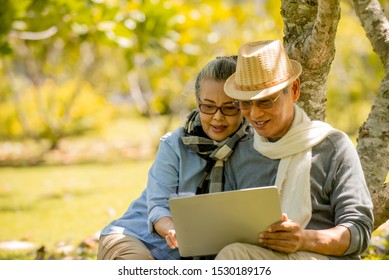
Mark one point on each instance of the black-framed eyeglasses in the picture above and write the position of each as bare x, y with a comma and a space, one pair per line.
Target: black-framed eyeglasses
227, 110
262, 104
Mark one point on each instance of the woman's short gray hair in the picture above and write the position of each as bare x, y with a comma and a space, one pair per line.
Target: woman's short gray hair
219, 69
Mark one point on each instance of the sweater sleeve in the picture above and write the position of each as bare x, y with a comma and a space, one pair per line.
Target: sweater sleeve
350, 197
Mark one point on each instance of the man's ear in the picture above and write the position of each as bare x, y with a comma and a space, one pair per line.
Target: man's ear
296, 89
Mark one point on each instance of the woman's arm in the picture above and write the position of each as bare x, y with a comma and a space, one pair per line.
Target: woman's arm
162, 183
165, 228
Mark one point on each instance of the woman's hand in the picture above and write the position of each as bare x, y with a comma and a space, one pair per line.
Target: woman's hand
171, 239
165, 228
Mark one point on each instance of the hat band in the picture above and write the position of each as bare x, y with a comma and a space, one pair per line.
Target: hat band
262, 85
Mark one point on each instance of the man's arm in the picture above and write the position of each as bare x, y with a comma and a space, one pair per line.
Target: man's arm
289, 237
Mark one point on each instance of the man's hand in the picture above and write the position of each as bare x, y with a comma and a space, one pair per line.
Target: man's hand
286, 236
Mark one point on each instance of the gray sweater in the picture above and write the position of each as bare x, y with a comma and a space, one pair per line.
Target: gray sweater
338, 188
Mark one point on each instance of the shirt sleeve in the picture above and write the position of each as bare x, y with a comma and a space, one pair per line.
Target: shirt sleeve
162, 184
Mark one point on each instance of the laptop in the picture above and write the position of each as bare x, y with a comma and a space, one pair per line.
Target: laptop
206, 223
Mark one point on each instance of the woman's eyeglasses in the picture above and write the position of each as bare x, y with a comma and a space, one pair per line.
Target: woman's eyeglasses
227, 110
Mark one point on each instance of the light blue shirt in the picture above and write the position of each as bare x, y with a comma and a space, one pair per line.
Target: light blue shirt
176, 171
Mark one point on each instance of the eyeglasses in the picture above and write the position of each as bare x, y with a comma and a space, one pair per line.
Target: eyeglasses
263, 104
227, 110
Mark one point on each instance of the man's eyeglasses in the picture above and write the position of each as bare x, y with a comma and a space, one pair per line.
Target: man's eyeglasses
227, 110
262, 104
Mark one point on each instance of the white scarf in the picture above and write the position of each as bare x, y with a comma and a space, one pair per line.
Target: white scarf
295, 152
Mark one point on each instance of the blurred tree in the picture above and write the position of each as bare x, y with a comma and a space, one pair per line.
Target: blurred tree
144, 52
355, 75
44, 56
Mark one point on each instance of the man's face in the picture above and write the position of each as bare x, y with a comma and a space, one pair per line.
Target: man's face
274, 123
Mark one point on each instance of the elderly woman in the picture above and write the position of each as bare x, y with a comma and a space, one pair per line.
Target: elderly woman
189, 161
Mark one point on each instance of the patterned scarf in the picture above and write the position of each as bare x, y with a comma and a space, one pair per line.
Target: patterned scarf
216, 153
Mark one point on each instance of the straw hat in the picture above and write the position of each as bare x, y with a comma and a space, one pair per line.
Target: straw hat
263, 68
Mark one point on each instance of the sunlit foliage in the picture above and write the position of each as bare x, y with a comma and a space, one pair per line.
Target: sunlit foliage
144, 54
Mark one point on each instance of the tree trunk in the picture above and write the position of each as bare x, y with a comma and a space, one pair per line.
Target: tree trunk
373, 139
310, 30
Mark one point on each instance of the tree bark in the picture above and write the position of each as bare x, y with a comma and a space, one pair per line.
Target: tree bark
373, 138
310, 29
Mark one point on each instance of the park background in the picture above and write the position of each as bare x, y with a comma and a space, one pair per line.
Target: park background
88, 88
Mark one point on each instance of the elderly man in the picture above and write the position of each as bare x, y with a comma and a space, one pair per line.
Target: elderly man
326, 204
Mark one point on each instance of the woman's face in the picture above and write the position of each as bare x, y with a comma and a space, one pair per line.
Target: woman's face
217, 126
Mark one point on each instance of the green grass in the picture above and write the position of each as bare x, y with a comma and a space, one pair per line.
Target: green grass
50, 204
68, 203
